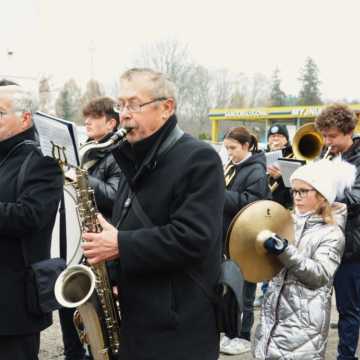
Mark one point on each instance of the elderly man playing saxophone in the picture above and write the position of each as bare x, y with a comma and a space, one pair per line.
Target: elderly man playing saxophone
167, 228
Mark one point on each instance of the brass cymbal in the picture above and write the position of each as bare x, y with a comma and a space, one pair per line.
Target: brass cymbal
242, 245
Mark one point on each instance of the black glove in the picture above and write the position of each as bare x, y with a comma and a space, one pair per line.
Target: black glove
275, 244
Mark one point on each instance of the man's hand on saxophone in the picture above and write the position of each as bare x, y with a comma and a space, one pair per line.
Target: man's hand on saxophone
101, 246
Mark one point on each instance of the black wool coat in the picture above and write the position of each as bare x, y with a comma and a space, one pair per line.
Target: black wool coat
281, 194
352, 200
166, 314
26, 216
248, 185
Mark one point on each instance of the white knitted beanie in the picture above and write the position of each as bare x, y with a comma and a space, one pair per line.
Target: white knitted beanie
329, 178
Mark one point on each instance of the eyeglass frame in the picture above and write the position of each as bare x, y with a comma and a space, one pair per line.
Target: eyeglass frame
301, 192
140, 106
3, 113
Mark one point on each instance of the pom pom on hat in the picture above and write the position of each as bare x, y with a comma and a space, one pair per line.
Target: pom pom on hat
329, 178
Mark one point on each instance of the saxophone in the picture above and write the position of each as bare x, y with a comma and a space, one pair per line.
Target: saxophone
97, 318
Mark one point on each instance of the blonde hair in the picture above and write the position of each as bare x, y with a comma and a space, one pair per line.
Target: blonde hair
324, 210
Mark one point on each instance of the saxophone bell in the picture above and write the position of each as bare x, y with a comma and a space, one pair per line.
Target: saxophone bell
87, 287
74, 286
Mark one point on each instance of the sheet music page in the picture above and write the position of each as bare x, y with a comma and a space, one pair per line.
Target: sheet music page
60, 132
272, 157
287, 167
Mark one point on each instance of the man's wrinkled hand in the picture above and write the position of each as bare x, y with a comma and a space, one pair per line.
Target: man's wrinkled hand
101, 246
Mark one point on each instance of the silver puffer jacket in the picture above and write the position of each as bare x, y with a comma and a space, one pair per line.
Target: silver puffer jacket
295, 316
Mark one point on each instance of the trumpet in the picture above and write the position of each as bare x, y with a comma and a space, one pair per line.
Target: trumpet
327, 154
229, 172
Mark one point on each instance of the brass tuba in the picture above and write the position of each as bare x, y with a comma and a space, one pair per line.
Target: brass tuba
88, 288
307, 143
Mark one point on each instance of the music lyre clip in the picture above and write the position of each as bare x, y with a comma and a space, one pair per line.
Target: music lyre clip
58, 153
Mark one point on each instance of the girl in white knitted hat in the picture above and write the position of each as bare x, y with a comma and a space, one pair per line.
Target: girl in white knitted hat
295, 314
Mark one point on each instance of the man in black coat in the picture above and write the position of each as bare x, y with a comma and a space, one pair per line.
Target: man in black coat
104, 175
168, 228
27, 213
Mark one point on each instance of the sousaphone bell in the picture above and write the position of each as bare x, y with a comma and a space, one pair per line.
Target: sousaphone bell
246, 249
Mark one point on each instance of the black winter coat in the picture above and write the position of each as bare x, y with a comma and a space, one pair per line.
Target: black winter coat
248, 185
166, 313
104, 176
282, 194
26, 216
352, 200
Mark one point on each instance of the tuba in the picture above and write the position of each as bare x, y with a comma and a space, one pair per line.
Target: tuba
307, 143
88, 288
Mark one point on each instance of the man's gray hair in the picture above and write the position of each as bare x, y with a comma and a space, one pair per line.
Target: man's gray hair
158, 84
22, 100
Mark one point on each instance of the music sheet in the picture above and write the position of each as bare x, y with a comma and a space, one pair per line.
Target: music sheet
272, 157
63, 133
287, 167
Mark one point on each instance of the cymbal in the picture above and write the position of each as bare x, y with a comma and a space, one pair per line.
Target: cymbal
242, 245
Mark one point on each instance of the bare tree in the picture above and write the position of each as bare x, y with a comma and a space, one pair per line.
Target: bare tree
239, 88
93, 90
192, 80
258, 90
221, 88
171, 58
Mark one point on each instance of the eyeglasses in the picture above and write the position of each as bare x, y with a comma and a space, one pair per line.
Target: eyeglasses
135, 107
301, 192
2, 114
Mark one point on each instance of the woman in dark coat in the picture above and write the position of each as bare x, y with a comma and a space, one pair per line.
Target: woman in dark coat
246, 182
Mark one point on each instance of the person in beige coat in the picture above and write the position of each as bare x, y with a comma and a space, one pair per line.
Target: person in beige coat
295, 314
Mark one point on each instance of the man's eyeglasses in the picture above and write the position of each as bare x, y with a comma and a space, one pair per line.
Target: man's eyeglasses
135, 107
2, 114
301, 192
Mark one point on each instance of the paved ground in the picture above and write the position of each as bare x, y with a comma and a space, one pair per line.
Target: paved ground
330, 352
51, 343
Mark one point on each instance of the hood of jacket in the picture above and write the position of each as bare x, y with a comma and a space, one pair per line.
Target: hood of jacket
257, 157
339, 213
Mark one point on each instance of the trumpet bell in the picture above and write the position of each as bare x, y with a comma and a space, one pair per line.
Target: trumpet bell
246, 250
307, 142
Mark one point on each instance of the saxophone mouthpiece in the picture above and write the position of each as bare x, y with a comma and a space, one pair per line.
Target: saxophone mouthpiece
119, 134
328, 153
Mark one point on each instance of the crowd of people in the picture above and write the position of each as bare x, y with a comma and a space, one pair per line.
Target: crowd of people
165, 205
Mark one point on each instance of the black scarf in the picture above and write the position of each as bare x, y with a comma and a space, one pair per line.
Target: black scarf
135, 159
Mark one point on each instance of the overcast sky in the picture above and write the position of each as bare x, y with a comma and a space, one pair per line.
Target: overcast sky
57, 37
